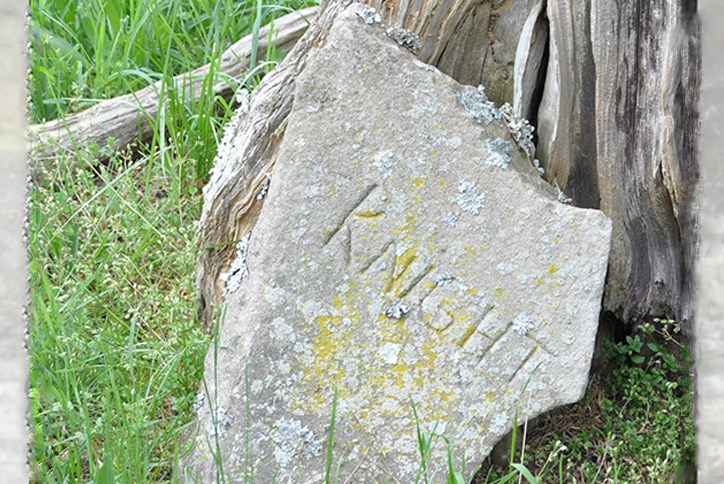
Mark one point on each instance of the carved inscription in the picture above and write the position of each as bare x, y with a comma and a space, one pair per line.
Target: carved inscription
409, 286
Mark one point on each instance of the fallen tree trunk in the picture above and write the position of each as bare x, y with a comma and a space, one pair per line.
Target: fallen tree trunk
612, 86
126, 118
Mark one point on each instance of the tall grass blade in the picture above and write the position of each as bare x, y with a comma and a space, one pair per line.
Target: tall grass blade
330, 441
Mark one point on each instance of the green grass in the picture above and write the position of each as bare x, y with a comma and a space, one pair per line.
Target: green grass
635, 422
87, 50
116, 353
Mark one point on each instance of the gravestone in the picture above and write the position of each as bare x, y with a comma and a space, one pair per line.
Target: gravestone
407, 253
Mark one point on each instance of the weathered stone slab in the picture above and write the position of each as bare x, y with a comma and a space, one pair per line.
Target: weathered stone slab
407, 251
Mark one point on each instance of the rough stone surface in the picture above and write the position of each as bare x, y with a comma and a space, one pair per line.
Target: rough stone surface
407, 252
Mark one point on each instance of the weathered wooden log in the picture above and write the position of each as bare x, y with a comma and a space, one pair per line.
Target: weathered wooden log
129, 117
612, 86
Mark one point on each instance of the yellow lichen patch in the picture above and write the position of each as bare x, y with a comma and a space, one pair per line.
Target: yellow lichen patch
489, 397
393, 330
410, 218
432, 244
399, 370
466, 336
326, 371
405, 259
335, 334
325, 344
460, 315
376, 379
402, 229
498, 292
552, 269
402, 263
442, 182
425, 364
556, 240
472, 291
337, 301
539, 281
428, 349
368, 214
418, 181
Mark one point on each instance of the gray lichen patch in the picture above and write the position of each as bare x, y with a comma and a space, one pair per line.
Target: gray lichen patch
264, 189
397, 310
228, 144
283, 331
476, 102
484, 111
451, 218
384, 162
221, 422
498, 152
198, 402
293, 441
522, 132
539, 168
389, 353
275, 296
239, 270
562, 197
442, 279
469, 197
369, 15
406, 39
523, 323
425, 66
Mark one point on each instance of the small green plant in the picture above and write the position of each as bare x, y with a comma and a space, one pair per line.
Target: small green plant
631, 348
635, 423
425, 440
